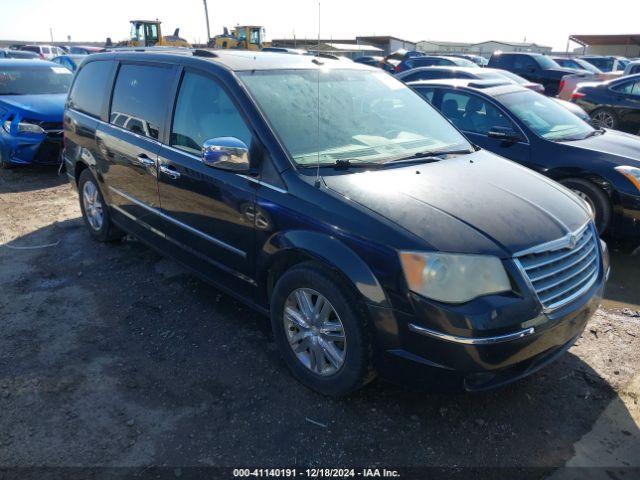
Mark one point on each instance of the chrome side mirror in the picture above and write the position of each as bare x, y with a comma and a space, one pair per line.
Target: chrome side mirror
226, 153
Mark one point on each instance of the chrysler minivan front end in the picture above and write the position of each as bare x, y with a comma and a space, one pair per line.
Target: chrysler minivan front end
509, 267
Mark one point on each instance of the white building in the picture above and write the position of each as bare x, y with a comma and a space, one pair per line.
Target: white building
442, 48
483, 48
487, 48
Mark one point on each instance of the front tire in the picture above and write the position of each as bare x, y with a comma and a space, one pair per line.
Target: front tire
595, 197
605, 118
5, 165
95, 211
322, 331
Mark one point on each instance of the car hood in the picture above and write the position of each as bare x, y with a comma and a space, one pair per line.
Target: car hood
621, 148
476, 203
39, 107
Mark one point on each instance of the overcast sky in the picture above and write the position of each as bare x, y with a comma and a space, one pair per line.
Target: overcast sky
547, 22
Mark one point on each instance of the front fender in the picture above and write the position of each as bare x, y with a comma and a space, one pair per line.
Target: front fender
328, 250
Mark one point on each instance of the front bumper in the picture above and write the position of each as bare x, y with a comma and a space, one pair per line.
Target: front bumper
30, 149
626, 221
480, 345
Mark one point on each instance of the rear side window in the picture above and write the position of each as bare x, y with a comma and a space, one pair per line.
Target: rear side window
91, 88
204, 111
31, 49
426, 93
524, 62
139, 96
604, 64
630, 88
424, 75
472, 114
427, 62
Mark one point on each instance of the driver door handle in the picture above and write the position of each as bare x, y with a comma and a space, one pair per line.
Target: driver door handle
170, 171
145, 161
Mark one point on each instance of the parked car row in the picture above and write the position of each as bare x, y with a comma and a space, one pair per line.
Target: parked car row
614, 104
613, 101
372, 221
434, 73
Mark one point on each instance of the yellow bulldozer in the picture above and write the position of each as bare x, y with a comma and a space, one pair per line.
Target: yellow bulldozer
148, 33
243, 37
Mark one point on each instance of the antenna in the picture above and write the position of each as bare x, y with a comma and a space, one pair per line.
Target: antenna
317, 182
206, 17
318, 52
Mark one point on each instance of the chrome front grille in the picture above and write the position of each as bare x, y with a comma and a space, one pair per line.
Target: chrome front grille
560, 271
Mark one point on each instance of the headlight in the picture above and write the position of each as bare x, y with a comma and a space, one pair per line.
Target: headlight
632, 173
23, 127
453, 278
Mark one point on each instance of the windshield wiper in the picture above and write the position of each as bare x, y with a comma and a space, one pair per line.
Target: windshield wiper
428, 156
597, 131
344, 164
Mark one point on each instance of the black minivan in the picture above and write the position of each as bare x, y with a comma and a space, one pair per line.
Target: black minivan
330, 197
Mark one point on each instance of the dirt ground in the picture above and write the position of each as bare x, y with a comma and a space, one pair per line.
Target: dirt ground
112, 356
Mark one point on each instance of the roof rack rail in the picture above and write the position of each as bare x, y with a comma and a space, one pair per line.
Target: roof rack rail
200, 52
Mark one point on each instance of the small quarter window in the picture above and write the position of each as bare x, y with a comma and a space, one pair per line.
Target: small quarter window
91, 87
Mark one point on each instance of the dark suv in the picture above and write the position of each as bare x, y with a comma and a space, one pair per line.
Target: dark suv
330, 197
535, 67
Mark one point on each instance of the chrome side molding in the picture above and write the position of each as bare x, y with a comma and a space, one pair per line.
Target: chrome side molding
472, 340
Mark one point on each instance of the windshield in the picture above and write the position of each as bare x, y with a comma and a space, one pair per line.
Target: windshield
587, 66
364, 116
513, 77
464, 62
546, 117
546, 62
34, 80
485, 74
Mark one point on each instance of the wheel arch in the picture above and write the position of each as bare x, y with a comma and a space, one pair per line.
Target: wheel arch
286, 249
78, 168
565, 173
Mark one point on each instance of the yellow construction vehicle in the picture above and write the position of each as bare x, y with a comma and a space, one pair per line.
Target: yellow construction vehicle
244, 37
147, 33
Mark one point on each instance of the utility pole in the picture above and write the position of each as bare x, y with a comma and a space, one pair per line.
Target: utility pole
51, 34
206, 16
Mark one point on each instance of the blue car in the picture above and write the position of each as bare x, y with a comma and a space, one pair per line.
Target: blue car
70, 62
32, 96
600, 166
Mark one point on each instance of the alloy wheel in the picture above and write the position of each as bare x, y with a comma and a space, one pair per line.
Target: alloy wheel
586, 198
93, 207
604, 119
314, 331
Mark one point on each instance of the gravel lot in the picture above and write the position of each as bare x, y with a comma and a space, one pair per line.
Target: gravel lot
111, 355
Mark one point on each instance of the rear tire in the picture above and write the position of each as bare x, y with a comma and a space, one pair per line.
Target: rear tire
355, 357
595, 197
605, 118
95, 211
